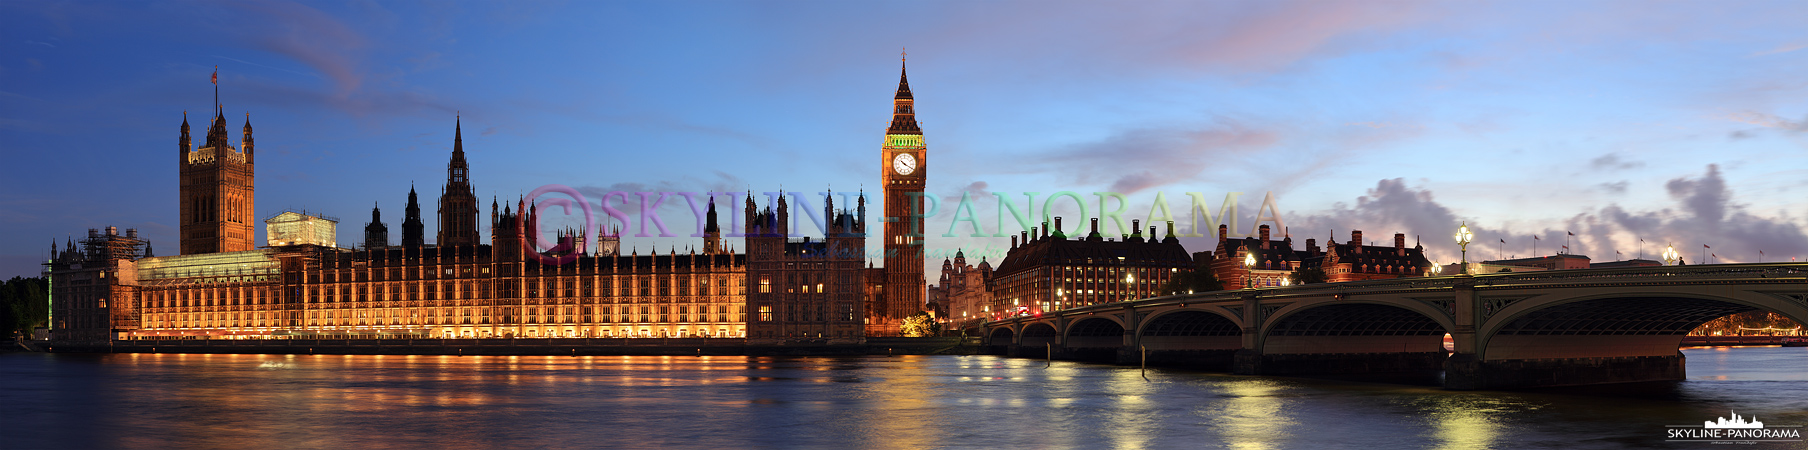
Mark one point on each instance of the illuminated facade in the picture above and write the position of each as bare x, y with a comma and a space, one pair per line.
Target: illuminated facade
1354, 261
904, 170
312, 291
1274, 260
961, 295
218, 190
304, 286
1047, 273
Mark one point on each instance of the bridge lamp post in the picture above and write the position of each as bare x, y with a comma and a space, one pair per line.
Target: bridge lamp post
1249, 267
1463, 237
1670, 256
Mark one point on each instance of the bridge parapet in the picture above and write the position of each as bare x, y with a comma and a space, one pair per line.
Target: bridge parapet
1597, 325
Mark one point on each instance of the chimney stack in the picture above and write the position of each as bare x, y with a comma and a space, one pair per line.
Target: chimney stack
1400, 243
1223, 232
1013, 242
1356, 238
1311, 247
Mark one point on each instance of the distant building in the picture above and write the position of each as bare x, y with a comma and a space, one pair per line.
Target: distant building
961, 295
93, 285
1625, 263
1275, 260
1048, 273
1353, 261
1553, 262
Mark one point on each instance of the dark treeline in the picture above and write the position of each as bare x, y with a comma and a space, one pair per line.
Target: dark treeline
24, 303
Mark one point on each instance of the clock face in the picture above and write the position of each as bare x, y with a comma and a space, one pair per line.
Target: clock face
904, 164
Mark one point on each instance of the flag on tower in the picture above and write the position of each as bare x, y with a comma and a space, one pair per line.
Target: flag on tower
1705, 246
1534, 237
216, 75
1571, 234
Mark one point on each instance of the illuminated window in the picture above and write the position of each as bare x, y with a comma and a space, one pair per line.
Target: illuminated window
765, 313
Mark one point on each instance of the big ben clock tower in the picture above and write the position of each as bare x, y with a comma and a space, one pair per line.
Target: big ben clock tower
904, 169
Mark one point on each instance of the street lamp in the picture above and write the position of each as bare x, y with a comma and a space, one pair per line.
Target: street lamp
1249, 267
1436, 269
1670, 256
1463, 237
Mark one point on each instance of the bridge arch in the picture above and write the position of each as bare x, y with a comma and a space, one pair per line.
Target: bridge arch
1037, 334
1191, 329
1001, 336
1620, 324
1354, 326
1095, 331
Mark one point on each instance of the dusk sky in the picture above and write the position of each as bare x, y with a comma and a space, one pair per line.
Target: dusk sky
1678, 122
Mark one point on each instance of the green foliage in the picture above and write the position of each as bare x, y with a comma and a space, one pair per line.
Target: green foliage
1309, 276
24, 303
1197, 279
921, 324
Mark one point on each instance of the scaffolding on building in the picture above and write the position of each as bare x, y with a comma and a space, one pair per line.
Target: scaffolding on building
300, 228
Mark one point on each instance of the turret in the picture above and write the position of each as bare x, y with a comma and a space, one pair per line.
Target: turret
413, 231
245, 144
182, 154
712, 233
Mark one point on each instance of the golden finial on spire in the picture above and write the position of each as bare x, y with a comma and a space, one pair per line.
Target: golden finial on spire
902, 54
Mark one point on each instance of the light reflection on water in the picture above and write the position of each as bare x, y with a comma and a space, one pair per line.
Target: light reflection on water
905, 402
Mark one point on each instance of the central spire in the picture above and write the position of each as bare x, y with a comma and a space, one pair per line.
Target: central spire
903, 78
903, 114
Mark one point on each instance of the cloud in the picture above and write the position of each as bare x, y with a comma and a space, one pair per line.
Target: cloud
304, 34
1785, 48
1770, 121
1617, 187
1705, 213
1137, 159
1612, 161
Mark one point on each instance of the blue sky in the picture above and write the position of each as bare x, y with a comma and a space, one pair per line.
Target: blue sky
1673, 122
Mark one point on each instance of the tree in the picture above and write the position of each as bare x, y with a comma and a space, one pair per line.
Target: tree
23, 305
1197, 279
921, 324
1309, 275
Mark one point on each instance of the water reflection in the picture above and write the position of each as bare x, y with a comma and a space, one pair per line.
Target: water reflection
331, 401
1252, 415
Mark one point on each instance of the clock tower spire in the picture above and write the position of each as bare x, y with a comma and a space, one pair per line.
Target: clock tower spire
903, 172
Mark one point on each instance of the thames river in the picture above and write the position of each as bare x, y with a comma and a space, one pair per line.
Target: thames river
63, 401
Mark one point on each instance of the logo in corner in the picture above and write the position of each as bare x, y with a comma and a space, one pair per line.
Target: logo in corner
1736, 430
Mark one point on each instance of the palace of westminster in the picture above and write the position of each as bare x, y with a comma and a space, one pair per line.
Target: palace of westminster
301, 284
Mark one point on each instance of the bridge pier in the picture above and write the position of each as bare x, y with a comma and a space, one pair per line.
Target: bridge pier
1466, 372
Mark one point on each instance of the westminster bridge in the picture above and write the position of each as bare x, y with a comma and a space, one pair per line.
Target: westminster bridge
1510, 330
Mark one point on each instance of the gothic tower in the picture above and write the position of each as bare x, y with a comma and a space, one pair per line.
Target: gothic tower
903, 174
217, 189
376, 234
712, 233
457, 201
412, 229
